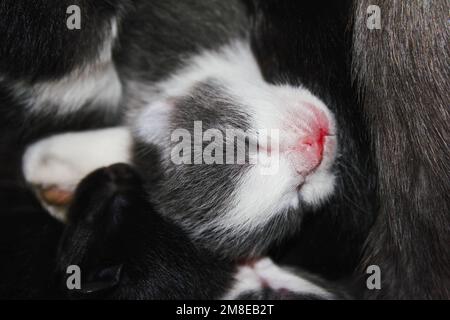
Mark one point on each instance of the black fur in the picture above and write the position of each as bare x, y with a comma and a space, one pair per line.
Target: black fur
35, 43
157, 37
112, 224
112, 228
28, 245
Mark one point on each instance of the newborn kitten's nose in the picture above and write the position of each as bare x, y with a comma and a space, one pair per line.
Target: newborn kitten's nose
314, 142
308, 152
312, 146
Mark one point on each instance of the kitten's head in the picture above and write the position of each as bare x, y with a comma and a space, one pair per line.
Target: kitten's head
243, 159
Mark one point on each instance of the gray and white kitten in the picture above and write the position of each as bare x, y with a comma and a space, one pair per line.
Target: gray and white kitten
237, 209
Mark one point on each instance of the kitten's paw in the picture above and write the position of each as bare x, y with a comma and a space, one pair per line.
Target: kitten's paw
55, 200
53, 171
54, 166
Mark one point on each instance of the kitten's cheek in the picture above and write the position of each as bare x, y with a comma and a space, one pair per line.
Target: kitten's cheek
318, 188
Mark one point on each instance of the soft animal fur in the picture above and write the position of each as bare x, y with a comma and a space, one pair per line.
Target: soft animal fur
396, 134
218, 203
143, 86
390, 202
126, 250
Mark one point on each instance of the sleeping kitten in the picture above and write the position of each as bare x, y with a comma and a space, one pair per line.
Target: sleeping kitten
219, 204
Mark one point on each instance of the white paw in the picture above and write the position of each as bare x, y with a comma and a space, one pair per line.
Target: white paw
54, 166
53, 171
50, 162
264, 273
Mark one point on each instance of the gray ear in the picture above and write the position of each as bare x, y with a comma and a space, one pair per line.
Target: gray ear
152, 123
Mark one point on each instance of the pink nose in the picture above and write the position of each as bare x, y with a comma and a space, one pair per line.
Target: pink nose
308, 153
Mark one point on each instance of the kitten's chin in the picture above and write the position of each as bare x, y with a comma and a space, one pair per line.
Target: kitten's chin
317, 188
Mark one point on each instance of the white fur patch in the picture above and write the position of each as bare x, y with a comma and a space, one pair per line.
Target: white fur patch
98, 86
266, 274
64, 159
234, 62
318, 186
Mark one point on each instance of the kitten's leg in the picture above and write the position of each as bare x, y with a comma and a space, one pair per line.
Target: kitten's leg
55, 165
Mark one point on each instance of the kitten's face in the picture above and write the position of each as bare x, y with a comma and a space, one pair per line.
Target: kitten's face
242, 161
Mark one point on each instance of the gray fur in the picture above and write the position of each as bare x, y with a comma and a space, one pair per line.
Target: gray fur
402, 71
